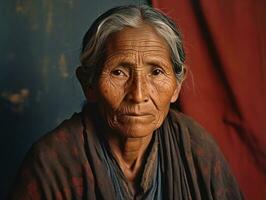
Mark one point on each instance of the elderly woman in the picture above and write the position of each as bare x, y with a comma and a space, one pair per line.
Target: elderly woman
126, 143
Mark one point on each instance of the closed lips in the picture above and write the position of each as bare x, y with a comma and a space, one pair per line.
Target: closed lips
136, 114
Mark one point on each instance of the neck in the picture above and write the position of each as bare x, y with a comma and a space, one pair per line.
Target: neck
129, 153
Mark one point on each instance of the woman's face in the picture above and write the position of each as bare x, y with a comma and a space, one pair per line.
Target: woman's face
137, 82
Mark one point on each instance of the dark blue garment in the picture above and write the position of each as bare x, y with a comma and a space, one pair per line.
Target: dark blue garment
150, 182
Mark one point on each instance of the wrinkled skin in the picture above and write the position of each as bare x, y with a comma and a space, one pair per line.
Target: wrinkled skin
137, 83
134, 91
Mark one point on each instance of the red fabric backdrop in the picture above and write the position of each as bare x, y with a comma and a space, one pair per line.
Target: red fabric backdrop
225, 88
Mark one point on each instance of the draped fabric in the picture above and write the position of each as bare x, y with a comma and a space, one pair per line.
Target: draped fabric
225, 90
149, 182
195, 168
68, 163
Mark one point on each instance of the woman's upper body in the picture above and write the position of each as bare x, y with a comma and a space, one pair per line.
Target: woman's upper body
73, 162
126, 144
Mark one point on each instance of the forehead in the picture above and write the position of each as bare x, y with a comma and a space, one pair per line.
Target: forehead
141, 39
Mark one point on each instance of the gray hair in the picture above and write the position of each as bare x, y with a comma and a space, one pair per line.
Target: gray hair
93, 46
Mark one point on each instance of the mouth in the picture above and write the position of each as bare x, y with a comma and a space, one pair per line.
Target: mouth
134, 114
136, 117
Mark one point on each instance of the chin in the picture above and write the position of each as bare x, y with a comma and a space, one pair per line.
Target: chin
137, 131
135, 126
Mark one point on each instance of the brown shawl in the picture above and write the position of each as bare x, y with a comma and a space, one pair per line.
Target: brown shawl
65, 164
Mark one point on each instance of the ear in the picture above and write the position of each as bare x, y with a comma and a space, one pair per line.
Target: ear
91, 95
82, 74
176, 93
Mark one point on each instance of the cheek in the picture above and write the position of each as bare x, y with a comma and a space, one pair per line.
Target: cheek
109, 92
108, 99
162, 93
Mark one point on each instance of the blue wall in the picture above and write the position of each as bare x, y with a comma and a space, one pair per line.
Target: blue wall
39, 51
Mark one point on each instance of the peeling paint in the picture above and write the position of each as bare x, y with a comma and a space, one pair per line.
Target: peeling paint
28, 9
49, 16
17, 100
62, 65
21, 7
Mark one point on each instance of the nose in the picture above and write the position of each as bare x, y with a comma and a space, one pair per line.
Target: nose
138, 89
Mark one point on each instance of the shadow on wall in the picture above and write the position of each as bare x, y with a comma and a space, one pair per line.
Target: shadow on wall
39, 48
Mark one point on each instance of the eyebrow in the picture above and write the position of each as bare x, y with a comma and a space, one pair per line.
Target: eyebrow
157, 61
127, 64
123, 61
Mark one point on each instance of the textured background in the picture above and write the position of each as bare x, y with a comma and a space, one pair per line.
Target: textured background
39, 51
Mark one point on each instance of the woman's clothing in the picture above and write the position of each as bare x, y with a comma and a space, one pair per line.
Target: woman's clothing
74, 162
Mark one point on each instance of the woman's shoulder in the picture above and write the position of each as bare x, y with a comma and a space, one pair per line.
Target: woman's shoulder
204, 157
65, 131
64, 140
53, 162
199, 140
190, 126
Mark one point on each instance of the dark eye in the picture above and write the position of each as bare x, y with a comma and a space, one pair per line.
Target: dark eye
157, 72
117, 72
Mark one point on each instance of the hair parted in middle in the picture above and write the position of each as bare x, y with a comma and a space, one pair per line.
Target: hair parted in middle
92, 54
